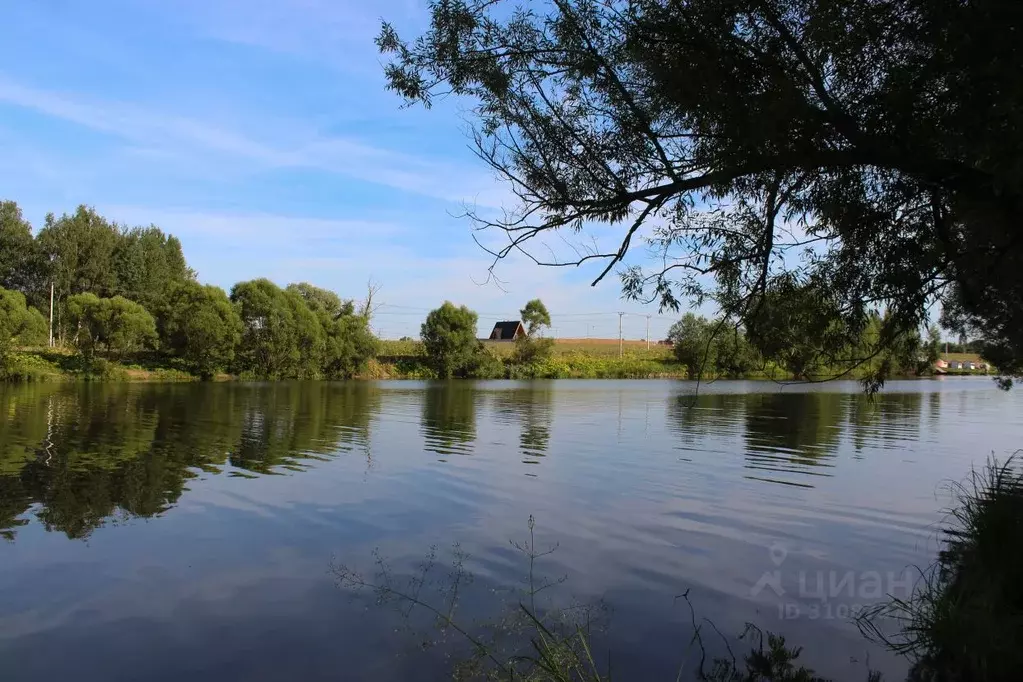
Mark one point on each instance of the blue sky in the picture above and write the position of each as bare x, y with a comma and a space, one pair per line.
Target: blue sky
260, 133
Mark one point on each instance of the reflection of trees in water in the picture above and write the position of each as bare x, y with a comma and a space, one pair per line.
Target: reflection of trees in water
791, 433
89, 453
795, 432
283, 426
449, 417
532, 408
801, 427
887, 420
706, 414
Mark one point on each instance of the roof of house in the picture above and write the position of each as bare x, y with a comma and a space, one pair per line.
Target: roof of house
506, 330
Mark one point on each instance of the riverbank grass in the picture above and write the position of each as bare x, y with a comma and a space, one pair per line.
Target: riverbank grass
964, 620
60, 364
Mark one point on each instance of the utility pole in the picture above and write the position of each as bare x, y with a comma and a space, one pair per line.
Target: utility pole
51, 313
620, 334
648, 332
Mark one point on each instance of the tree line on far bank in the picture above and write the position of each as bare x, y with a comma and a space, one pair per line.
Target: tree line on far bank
118, 290
716, 348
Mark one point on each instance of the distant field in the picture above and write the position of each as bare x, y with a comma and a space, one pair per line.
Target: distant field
598, 348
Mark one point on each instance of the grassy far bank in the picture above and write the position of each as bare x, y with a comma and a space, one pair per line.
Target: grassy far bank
60, 364
404, 359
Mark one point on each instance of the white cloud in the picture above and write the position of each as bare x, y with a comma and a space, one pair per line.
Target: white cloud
196, 144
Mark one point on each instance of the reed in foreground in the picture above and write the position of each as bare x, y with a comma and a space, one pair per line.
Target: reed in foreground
964, 619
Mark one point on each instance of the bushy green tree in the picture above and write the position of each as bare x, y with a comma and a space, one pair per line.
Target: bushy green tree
35, 331
733, 354
19, 325
116, 324
282, 337
529, 349
348, 342
350, 345
449, 338
323, 302
692, 341
147, 264
79, 251
309, 337
19, 253
796, 324
200, 325
535, 315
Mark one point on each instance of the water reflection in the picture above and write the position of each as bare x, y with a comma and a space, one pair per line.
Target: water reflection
233, 561
74, 457
789, 437
449, 418
532, 408
83, 455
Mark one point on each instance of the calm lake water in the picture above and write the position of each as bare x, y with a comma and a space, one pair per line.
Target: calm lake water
169, 532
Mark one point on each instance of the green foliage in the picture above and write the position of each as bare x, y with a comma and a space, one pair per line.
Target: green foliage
35, 331
797, 324
147, 264
115, 324
200, 325
325, 303
79, 249
27, 367
449, 339
348, 342
270, 340
308, 334
18, 325
484, 364
530, 350
692, 340
885, 130
734, 356
535, 316
350, 345
962, 621
19, 254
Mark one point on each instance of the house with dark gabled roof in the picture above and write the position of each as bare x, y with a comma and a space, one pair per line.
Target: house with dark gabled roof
507, 331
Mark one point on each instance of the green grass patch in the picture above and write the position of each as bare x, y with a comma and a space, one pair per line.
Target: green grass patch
60, 364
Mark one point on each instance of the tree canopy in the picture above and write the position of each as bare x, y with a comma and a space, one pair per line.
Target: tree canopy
866, 150
114, 324
111, 280
535, 315
18, 251
449, 338
200, 325
19, 325
147, 264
